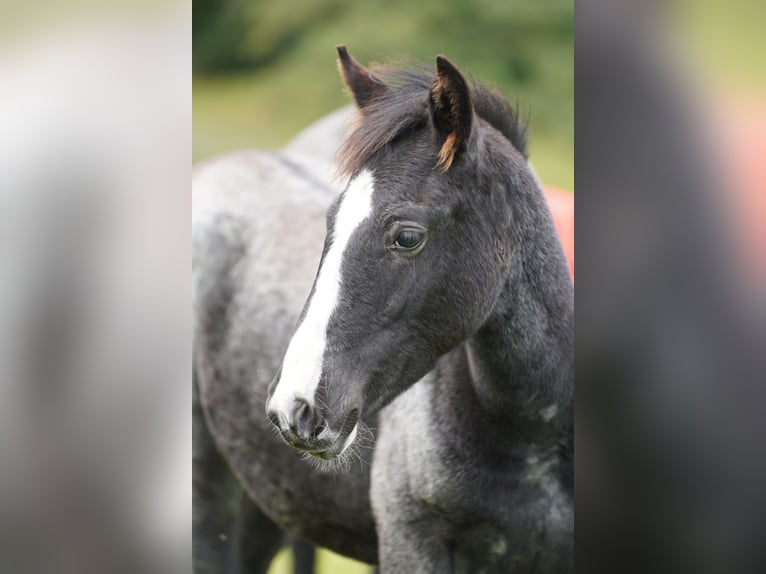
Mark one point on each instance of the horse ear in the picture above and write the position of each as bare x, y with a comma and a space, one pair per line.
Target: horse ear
451, 110
364, 85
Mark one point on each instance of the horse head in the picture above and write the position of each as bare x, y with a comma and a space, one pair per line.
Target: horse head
419, 247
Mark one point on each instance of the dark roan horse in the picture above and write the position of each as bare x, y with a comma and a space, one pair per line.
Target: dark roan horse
428, 379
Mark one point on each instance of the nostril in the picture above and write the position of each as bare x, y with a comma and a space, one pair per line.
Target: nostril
320, 426
303, 419
302, 414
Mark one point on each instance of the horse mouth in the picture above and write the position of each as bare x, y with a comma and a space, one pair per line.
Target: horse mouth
330, 445
338, 447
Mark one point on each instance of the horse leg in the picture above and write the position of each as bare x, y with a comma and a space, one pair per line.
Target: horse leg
215, 501
303, 556
412, 547
259, 539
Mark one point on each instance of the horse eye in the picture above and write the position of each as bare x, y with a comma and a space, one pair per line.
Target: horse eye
408, 239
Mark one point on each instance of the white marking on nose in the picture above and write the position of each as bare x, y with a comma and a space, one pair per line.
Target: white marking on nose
302, 365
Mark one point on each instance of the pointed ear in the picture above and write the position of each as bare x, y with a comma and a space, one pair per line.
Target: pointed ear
451, 110
364, 85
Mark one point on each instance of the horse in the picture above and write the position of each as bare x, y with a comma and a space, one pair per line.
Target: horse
435, 346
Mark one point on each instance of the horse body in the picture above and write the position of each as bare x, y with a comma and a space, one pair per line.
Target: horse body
501, 509
442, 313
256, 227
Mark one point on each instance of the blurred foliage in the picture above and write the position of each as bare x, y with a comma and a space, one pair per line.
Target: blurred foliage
266, 69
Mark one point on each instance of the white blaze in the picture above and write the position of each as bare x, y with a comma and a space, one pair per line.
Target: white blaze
302, 366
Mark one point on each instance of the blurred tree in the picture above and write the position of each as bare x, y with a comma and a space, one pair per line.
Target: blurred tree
230, 35
219, 33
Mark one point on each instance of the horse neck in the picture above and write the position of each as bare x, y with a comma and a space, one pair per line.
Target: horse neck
521, 362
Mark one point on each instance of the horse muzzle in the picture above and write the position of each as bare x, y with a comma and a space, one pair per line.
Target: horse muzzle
304, 428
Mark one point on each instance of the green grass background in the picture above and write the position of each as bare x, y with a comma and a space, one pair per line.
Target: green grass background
264, 70
327, 563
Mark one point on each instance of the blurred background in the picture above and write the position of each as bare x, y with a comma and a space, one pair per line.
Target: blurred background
671, 313
263, 70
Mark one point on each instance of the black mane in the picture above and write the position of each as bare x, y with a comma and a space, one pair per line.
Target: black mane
404, 107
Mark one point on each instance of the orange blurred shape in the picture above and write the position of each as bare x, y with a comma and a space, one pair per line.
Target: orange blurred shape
561, 204
743, 143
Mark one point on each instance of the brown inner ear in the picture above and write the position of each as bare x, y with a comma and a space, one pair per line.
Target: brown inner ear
447, 152
452, 111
